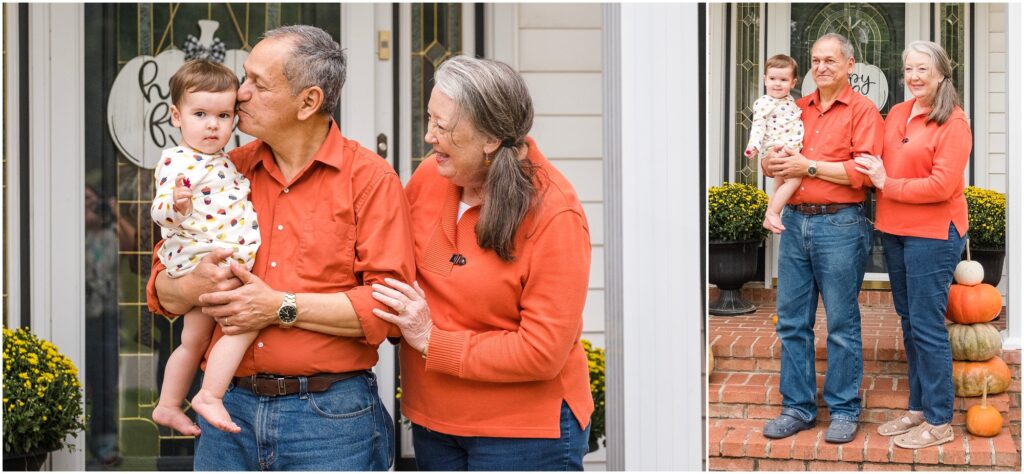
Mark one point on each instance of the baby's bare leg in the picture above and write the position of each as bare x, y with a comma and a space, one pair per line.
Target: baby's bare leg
220, 368
784, 189
181, 367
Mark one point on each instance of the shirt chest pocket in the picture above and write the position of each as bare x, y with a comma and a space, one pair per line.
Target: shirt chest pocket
836, 144
327, 251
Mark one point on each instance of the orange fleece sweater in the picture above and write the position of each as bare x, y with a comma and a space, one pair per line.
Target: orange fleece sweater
924, 190
505, 350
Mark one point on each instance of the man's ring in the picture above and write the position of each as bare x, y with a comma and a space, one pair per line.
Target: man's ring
400, 308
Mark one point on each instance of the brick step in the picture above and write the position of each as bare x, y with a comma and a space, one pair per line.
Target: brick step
756, 396
880, 352
739, 445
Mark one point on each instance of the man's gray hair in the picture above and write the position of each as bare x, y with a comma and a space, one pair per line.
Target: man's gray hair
316, 60
845, 46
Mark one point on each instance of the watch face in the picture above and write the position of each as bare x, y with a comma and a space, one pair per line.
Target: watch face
287, 314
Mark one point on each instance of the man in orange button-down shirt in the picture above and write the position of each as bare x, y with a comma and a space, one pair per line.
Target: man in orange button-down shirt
825, 245
333, 220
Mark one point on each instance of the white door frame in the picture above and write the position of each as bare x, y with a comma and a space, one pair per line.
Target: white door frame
56, 165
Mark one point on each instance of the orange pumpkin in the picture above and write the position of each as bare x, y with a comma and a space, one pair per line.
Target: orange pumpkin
973, 304
971, 379
984, 420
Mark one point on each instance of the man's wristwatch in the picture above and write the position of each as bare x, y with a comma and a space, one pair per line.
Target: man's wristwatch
288, 312
813, 169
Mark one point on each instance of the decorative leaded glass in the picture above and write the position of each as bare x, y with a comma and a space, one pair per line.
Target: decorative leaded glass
952, 38
436, 36
876, 31
127, 346
748, 72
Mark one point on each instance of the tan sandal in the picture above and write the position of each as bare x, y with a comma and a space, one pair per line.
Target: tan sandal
925, 435
903, 424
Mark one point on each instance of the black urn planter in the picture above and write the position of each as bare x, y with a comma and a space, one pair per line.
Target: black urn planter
730, 265
991, 259
25, 462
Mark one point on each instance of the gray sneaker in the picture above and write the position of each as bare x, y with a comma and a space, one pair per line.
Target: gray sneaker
784, 426
841, 431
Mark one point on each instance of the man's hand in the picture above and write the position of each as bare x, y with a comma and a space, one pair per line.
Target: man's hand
250, 307
178, 295
787, 164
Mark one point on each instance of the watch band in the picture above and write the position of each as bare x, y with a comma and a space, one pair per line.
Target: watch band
288, 313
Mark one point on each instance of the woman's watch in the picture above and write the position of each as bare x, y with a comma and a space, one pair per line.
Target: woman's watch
812, 169
288, 312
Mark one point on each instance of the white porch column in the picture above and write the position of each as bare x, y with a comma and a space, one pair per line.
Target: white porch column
57, 187
1014, 214
653, 278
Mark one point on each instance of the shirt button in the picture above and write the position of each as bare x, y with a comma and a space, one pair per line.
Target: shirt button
273, 264
259, 344
280, 227
812, 149
816, 132
285, 190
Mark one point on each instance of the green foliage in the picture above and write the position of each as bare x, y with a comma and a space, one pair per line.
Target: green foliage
986, 210
736, 212
42, 395
595, 363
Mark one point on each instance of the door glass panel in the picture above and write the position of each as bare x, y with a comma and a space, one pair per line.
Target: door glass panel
126, 345
436, 36
748, 74
877, 33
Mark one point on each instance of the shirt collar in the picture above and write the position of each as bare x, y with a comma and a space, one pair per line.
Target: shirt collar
329, 153
845, 95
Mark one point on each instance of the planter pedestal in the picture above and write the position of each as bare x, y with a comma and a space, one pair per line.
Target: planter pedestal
730, 265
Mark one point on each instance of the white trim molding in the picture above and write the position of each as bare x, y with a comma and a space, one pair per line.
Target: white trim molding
57, 180
659, 423
12, 150
1014, 214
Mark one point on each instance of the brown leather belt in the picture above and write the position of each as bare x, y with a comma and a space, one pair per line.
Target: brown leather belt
819, 209
269, 385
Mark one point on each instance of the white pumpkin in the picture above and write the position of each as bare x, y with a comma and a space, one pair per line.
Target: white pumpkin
969, 273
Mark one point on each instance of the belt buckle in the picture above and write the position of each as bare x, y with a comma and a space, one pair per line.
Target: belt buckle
280, 387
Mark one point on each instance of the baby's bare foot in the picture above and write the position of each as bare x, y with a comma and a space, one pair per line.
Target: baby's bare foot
175, 419
212, 410
773, 222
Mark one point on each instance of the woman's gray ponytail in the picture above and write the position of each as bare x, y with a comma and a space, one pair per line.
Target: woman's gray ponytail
497, 103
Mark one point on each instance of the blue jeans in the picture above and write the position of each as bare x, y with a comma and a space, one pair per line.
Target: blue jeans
440, 452
821, 254
345, 428
920, 271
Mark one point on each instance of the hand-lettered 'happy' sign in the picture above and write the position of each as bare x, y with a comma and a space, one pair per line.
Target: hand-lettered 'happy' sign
139, 108
866, 79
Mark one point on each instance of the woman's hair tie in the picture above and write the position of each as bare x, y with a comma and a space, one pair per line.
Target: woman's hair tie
508, 143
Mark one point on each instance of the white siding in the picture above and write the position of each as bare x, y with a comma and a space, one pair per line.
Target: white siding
558, 52
990, 123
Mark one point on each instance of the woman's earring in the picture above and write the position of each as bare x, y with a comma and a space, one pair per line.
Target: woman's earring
487, 161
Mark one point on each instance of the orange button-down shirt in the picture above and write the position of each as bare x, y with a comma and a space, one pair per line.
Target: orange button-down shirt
925, 163
340, 225
505, 349
850, 127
